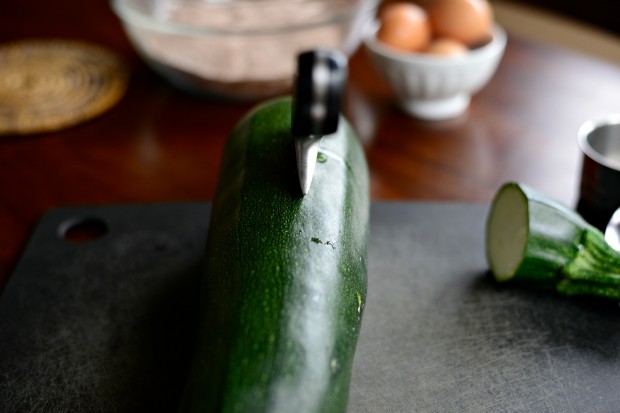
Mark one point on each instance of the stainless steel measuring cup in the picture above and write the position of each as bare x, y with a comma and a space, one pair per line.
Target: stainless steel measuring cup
599, 193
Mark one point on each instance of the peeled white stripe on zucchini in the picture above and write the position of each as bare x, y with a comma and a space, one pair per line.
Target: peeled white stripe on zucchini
532, 238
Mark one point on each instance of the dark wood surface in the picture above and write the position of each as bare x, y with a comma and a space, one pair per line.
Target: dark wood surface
598, 13
159, 144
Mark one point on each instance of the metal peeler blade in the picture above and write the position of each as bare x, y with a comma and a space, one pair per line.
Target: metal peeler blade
306, 150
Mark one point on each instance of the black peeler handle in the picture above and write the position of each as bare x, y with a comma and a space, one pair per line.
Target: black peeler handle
319, 89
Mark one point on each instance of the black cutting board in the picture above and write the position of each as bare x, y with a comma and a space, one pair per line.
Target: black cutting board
107, 325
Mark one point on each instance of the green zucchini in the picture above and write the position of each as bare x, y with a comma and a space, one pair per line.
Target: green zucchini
286, 275
537, 240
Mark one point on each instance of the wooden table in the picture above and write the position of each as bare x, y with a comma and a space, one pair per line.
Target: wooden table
159, 144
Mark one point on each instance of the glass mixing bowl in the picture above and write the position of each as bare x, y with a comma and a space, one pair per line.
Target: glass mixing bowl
235, 49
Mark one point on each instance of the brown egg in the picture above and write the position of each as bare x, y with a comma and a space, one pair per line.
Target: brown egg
468, 21
447, 47
404, 26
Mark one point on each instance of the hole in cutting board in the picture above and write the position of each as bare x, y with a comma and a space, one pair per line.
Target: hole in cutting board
82, 229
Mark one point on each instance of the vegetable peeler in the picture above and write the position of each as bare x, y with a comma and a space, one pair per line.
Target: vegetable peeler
319, 89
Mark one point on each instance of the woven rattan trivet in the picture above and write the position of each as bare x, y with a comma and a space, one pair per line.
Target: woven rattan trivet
46, 85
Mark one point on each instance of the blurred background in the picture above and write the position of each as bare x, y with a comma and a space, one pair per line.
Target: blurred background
591, 26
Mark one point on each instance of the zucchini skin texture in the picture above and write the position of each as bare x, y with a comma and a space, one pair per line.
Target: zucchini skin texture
286, 275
